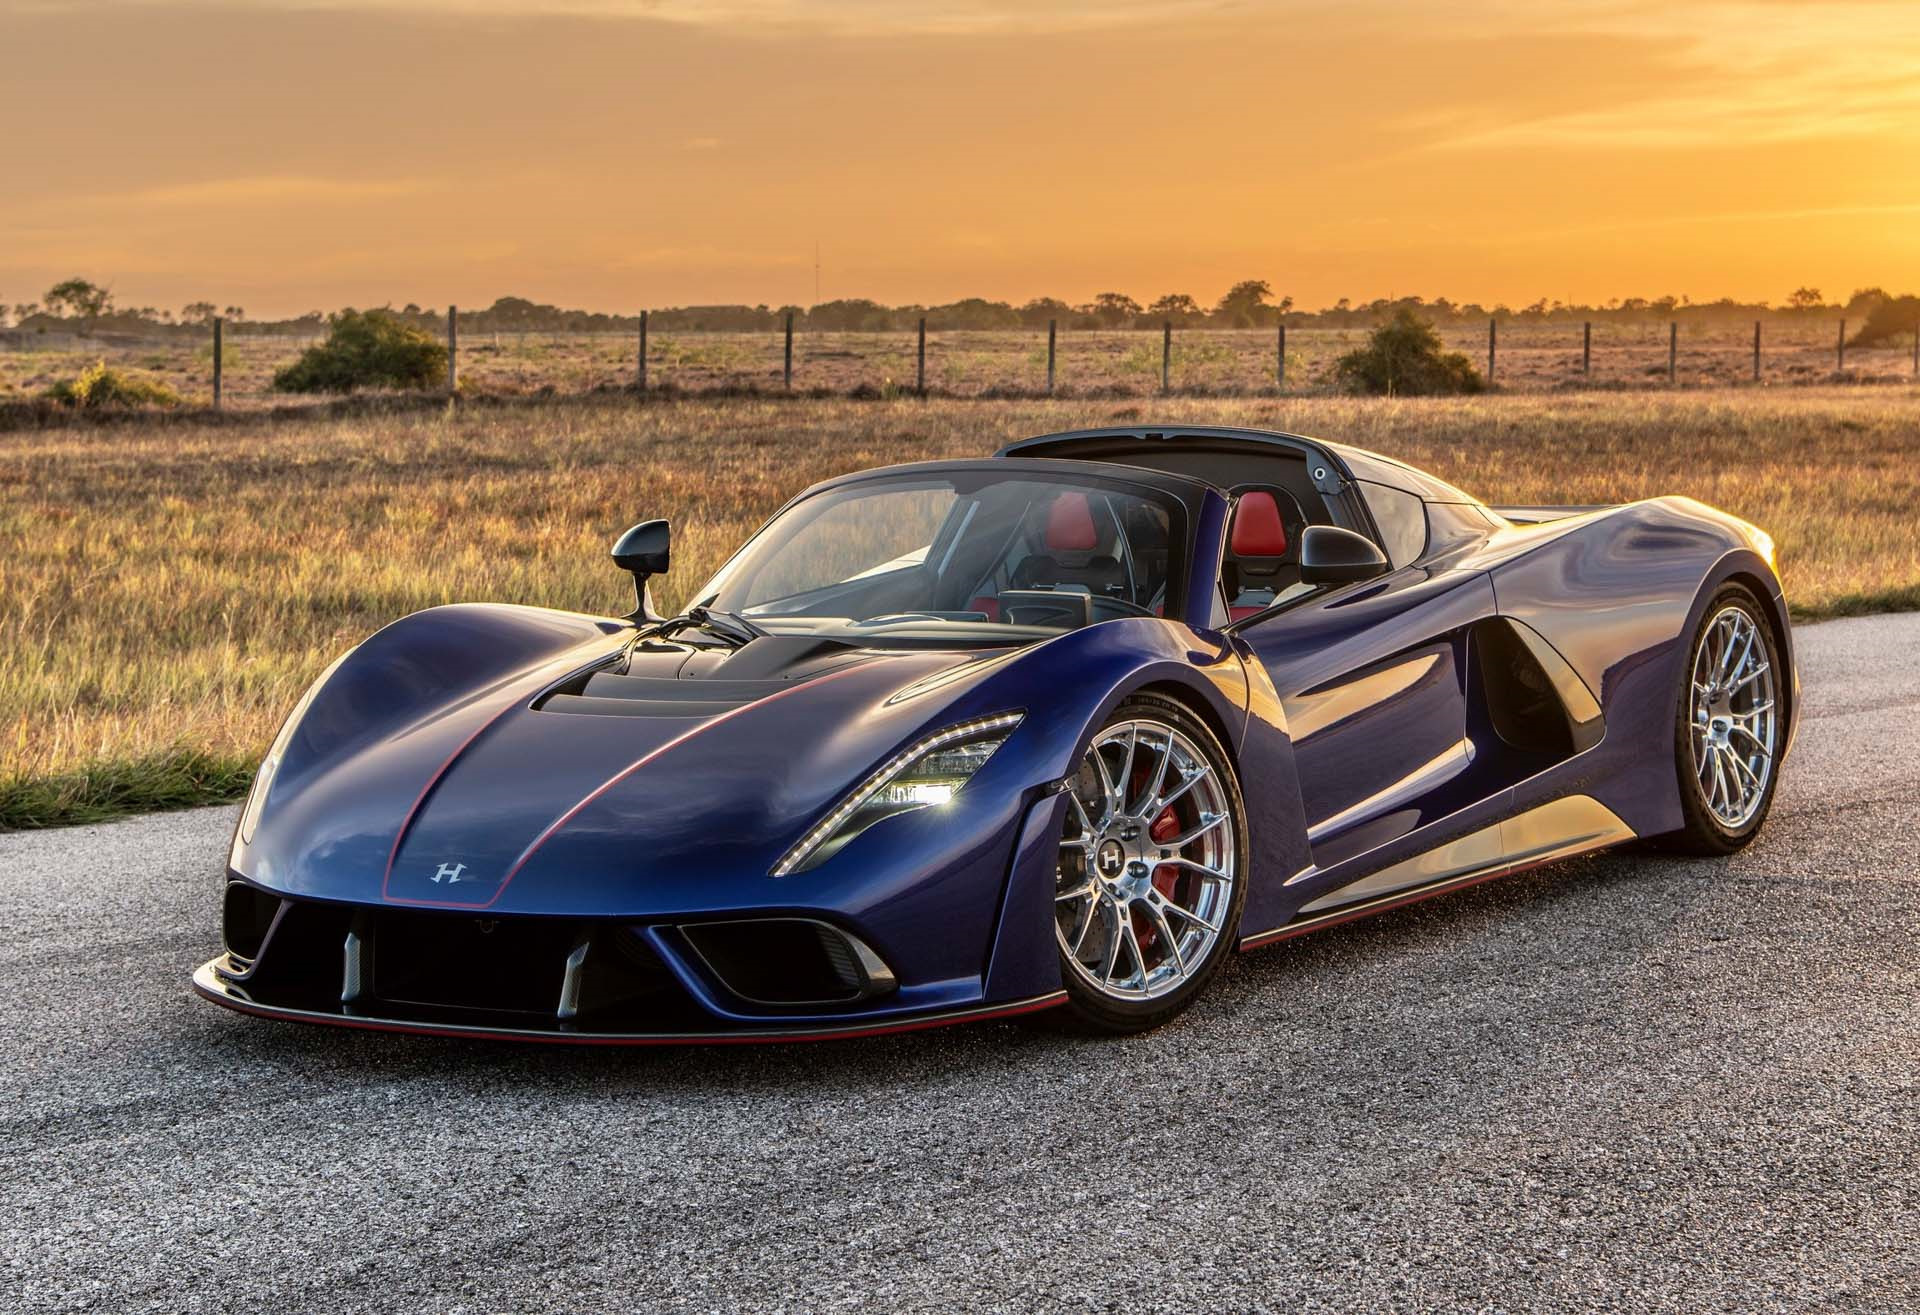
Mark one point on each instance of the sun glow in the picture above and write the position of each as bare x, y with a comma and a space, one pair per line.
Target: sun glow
615, 153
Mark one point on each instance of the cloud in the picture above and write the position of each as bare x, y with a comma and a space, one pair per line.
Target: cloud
1558, 234
1731, 72
848, 17
267, 190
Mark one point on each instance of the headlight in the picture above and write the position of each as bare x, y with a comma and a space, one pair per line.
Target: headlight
925, 774
263, 778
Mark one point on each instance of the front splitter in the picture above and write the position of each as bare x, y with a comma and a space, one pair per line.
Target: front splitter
208, 983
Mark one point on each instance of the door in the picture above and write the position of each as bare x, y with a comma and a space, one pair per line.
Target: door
1373, 680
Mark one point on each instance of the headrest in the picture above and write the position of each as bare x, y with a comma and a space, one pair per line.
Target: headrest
1258, 530
1070, 524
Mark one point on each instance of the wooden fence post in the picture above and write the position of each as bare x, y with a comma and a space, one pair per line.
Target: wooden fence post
1673, 352
1166, 356
786, 370
1840, 350
1493, 336
453, 348
216, 362
1756, 351
1051, 326
1586, 349
920, 384
1916, 349
643, 353
1280, 358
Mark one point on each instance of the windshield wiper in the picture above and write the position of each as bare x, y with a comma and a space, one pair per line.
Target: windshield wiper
730, 626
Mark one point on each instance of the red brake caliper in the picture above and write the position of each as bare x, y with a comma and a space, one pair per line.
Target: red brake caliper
1165, 827
1165, 877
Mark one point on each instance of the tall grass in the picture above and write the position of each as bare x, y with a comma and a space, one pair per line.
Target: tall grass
167, 591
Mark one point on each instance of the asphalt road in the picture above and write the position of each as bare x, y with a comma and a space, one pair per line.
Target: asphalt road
1624, 1080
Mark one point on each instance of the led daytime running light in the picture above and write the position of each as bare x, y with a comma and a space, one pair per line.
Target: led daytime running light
826, 827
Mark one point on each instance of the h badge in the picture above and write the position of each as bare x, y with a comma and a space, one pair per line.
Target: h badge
449, 873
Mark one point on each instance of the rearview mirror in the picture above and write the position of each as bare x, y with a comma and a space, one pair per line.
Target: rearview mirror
1331, 555
645, 551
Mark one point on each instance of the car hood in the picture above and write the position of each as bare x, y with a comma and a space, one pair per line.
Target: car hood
568, 785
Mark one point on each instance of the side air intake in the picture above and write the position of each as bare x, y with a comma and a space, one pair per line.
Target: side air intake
789, 962
1535, 701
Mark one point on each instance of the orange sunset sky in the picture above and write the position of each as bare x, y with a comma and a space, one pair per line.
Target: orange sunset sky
625, 153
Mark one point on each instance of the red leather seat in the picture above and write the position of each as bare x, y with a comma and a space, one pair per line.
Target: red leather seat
1072, 556
1070, 524
1258, 530
1257, 546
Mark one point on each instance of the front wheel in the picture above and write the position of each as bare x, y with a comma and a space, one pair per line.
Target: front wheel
1150, 877
1727, 737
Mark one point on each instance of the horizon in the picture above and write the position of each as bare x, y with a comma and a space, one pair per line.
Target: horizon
1861, 299
622, 153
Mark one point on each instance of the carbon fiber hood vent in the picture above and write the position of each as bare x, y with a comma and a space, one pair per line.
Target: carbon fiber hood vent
676, 680
608, 693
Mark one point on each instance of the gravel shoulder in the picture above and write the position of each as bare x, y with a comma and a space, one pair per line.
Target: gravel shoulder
1621, 1080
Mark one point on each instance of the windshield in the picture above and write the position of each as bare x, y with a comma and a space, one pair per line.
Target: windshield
992, 555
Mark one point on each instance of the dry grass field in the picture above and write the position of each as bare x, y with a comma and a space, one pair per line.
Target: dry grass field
1532, 357
167, 587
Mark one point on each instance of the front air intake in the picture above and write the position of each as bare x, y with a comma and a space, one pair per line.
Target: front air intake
246, 916
788, 962
449, 960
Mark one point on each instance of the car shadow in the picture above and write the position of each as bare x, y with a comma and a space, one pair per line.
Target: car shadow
1417, 965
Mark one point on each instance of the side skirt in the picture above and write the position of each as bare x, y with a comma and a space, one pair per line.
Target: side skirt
1559, 829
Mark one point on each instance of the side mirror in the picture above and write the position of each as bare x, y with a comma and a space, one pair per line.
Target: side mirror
1331, 555
645, 550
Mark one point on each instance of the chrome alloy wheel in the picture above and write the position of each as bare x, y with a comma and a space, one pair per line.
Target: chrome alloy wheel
1147, 864
1734, 724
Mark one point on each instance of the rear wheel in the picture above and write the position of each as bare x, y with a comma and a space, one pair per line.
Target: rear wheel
1728, 731
1149, 883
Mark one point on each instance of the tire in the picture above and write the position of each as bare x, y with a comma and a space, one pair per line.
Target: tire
1152, 865
1729, 726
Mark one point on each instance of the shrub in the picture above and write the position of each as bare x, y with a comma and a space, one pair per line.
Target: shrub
1405, 356
101, 385
367, 349
1890, 323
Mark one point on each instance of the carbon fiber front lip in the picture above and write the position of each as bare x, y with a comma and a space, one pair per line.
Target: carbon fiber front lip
208, 983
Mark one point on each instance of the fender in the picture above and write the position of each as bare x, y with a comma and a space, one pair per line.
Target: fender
423, 664
1618, 593
399, 705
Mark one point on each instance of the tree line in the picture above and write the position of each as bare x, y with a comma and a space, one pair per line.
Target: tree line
83, 305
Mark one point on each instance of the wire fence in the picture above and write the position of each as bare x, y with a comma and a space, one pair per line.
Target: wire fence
232, 366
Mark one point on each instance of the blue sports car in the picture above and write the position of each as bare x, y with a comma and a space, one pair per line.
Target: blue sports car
1060, 728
